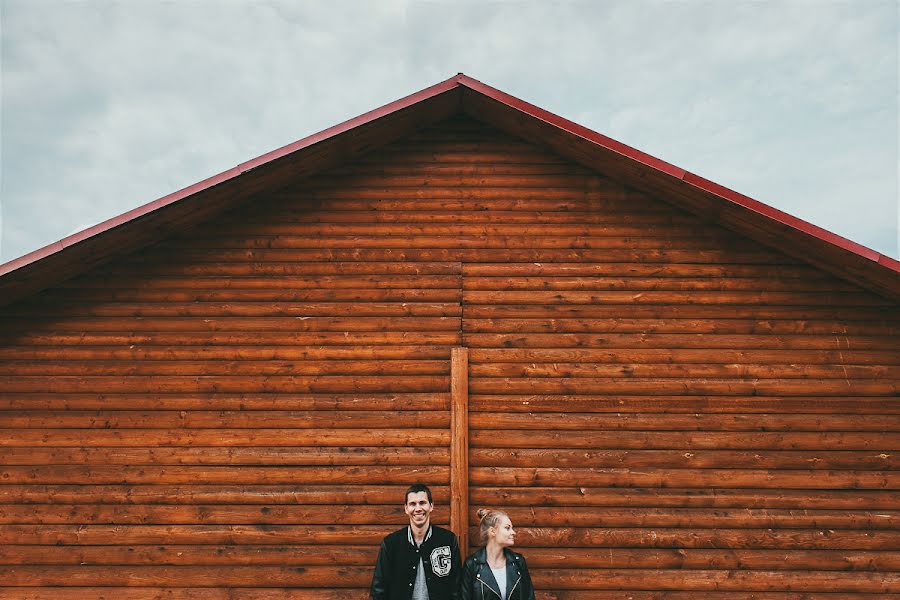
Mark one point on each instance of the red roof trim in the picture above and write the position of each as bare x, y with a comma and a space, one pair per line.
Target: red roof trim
780, 216
685, 176
229, 174
476, 86
571, 127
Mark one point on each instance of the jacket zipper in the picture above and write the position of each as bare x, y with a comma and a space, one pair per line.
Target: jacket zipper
509, 596
484, 585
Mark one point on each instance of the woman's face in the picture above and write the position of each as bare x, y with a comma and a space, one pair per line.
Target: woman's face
503, 533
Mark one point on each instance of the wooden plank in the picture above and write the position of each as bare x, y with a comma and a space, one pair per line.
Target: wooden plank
721, 538
260, 455
697, 581
236, 324
700, 326
244, 309
703, 518
278, 240
711, 342
276, 294
583, 180
670, 370
223, 437
154, 514
685, 404
656, 272
497, 215
632, 283
182, 593
648, 477
651, 386
677, 422
237, 353
363, 556
211, 494
196, 262
754, 560
326, 535
686, 440
279, 277
220, 401
587, 197
216, 475
260, 338
677, 311
629, 459
256, 248
682, 356
233, 368
492, 229
207, 576
459, 447
693, 297
237, 383
854, 499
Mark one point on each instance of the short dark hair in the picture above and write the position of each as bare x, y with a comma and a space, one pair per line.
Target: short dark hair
415, 489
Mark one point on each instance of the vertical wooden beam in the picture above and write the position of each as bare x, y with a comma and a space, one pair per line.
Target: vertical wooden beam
459, 446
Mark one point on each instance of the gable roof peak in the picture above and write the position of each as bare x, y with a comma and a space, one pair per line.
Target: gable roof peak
457, 94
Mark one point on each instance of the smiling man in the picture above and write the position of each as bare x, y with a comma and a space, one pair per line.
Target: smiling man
418, 562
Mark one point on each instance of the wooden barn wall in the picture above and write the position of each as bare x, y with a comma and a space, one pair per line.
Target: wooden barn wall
663, 409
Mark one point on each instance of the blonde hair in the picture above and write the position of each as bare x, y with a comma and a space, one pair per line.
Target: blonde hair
487, 519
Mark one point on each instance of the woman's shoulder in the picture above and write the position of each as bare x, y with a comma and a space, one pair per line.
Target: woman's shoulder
478, 556
514, 556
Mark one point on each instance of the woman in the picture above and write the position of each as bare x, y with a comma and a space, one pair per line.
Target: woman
495, 571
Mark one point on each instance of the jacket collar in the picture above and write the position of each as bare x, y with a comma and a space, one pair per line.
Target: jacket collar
409, 535
484, 574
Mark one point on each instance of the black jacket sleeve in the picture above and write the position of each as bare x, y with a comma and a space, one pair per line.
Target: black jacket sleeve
379, 589
467, 581
456, 568
527, 587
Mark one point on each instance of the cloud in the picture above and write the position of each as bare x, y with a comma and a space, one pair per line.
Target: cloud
109, 105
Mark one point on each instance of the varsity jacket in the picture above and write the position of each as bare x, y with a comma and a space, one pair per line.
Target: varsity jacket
398, 563
478, 582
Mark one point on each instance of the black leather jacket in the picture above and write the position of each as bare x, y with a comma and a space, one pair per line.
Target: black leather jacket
398, 563
478, 582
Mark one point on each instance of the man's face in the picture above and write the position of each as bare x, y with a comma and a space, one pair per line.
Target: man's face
418, 508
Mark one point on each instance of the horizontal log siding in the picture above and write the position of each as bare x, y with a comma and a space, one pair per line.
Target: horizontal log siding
660, 421
663, 409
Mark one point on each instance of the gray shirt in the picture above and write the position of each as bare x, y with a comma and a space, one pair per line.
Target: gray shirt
420, 589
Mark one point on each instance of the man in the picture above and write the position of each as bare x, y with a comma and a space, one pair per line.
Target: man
418, 562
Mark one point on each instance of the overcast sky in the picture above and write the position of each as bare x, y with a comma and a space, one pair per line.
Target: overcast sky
110, 105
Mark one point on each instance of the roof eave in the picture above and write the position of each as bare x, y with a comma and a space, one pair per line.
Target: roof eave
180, 210
175, 212
685, 190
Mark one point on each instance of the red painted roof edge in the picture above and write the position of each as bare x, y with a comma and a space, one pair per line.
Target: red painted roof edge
135, 213
687, 177
495, 94
571, 127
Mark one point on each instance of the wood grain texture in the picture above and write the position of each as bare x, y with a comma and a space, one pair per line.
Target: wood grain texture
665, 409
459, 447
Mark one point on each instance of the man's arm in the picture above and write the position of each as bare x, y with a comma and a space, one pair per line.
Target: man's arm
379, 589
455, 568
465, 582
